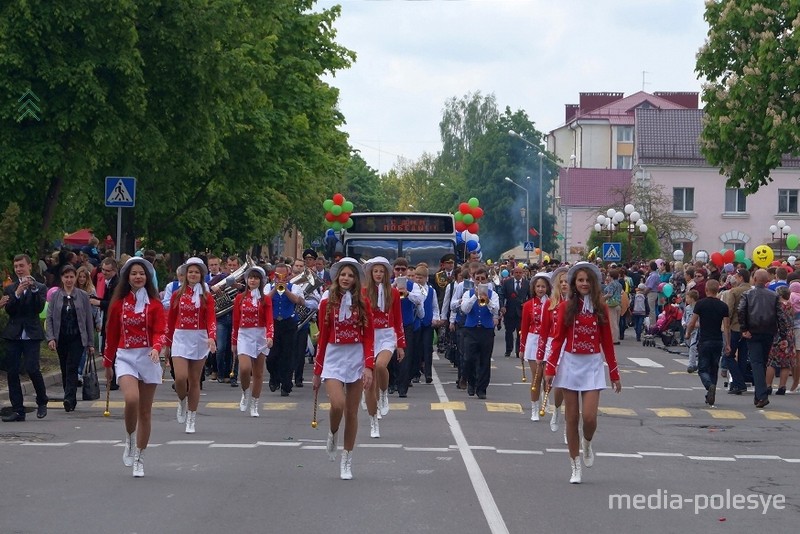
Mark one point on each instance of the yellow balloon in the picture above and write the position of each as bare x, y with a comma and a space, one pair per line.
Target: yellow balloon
488, 262
546, 258
763, 256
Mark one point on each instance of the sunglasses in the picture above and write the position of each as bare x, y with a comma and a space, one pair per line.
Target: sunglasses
401, 269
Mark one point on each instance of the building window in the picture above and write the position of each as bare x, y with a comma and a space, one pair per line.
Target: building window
685, 246
735, 201
787, 200
733, 245
683, 199
624, 162
625, 135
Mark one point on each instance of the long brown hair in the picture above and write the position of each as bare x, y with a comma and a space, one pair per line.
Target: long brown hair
372, 288
575, 302
334, 297
124, 285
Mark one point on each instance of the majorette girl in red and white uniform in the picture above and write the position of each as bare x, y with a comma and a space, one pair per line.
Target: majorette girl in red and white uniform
558, 292
134, 335
345, 354
252, 336
583, 329
192, 334
533, 311
384, 299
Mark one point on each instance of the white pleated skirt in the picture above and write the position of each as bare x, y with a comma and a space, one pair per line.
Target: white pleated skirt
252, 342
137, 363
580, 372
343, 362
531, 346
190, 344
385, 339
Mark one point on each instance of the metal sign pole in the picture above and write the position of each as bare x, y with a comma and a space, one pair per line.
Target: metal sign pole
118, 248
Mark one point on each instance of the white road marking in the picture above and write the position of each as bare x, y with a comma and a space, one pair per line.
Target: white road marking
278, 443
380, 445
98, 441
426, 449
674, 454
517, 451
645, 362
190, 442
713, 458
756, 456
233, 445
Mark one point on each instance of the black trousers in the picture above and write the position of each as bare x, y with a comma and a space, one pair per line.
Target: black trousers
511, 324
478, 343
405, 369
18, 353
280, 362
425, 352
301, 341
70, 350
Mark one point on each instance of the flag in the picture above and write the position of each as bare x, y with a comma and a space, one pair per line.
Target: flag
533, 231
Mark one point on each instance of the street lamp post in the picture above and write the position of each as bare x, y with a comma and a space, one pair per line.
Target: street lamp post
527, 216
782, 229
613, 218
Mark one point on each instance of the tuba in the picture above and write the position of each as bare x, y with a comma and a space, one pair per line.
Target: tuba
225, 290
310, 282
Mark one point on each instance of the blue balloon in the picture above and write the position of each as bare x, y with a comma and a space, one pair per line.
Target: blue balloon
330, 232
472, 245
504, 273
459, 238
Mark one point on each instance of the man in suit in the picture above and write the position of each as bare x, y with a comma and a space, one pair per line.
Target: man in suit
515, 291
24, 300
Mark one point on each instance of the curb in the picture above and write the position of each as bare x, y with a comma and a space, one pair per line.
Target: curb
50, 380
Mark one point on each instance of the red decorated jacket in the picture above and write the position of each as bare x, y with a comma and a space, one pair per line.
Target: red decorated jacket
183, 315
126, 329
549, 324
390, 319
583, 337
248, 315
532, 312
332, 330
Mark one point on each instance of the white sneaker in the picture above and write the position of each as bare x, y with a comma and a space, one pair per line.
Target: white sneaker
555, 419
182, 409
245, 402
363, 401
190, 420
346, 472
128, 453
331, 445
138, 463
374, 428
587, 452
254, 407
534, 410
575, 463
384, 404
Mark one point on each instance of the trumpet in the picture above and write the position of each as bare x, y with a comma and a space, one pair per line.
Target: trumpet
280, 287
483, 301
543, 409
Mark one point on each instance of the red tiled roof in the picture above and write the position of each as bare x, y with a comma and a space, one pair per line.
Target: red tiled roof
622, 111
591, 188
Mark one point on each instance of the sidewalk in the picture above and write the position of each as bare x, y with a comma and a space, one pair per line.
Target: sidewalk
52, 382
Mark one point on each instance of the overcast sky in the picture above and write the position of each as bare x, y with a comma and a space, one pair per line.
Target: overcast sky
535, 55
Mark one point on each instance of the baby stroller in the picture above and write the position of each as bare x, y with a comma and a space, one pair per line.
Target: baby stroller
668, 327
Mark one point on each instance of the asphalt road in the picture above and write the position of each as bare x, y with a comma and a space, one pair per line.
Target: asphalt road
445, 462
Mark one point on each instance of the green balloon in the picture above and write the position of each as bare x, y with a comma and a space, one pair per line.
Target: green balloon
349, 223
328, 204
792, 241
747, 262
336, 225
347, 206
336, 210
473, 202
668, 289
459, 216
739, 255
468, 219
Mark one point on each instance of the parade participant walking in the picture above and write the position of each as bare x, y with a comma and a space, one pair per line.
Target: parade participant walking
410, 298
533, 312
191, 334
135, 330
387, 319
345, 355
514, 292
252, 337
429, 320
758, 323
70, 331
285, 297
713, 339
482, 307
583, 329
558, 293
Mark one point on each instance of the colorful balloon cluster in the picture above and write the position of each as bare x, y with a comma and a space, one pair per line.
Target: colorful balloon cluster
467, 216
337, 212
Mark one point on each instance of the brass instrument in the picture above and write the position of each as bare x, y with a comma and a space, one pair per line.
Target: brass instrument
543, 409
401, 283
311, 283
280, 287
225, 290
483, 301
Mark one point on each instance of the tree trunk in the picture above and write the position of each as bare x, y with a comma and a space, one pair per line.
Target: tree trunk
50, 203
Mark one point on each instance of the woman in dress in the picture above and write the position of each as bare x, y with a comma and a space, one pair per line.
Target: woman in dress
134, 332
345, 355
781, 356
191, 334
70, 331
251, 337
558, 293
583, 329
384, 299
533, 312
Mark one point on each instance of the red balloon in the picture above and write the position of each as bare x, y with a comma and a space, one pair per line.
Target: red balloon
338, 199
460, 226
464, 208
342, 218
330, 217
775, 263
477, 212
473, 228
716, 259
729, 256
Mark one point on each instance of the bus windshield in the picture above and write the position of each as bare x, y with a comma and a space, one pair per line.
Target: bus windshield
415, 251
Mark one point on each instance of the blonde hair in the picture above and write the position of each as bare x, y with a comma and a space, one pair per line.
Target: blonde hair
555, 291
421, 269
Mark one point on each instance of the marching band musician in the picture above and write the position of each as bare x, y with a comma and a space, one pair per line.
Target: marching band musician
191, 334
440, 282
410, 298
226, 363
583, 328
280, 362
429, 320
311, 298
533, 312
387, 320
481, 306
558, 293
458, 318
345, 356
252, 336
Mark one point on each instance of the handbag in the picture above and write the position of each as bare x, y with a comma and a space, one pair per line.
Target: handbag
91, 385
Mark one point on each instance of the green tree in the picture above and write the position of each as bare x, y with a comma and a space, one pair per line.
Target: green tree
635, 246
751, 60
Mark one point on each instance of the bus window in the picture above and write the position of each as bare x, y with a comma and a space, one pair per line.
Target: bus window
364, 249
429, 251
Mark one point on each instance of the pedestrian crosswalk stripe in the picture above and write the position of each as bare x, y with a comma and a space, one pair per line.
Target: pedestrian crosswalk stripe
713, 458
610, 410
725, 414
453, 405
645, 362
507, 407
756, 457
780, 416
670, 412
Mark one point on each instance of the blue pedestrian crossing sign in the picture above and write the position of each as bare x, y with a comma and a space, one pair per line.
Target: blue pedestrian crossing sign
120, 192
612, 251
528, 246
